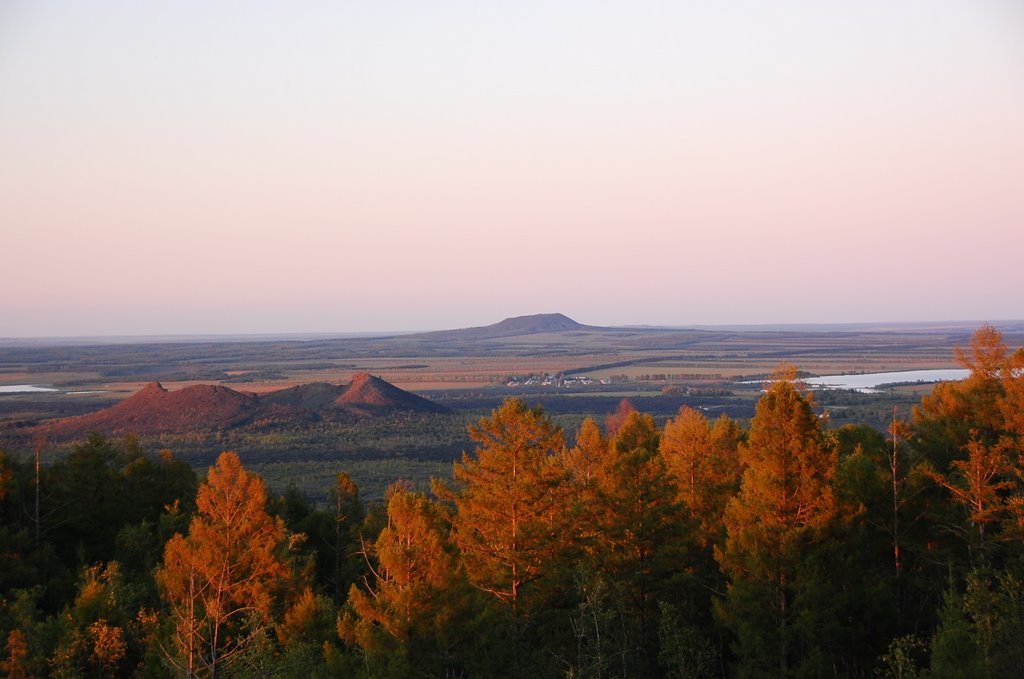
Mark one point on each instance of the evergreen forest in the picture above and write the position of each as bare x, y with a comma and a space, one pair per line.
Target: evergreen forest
783, 547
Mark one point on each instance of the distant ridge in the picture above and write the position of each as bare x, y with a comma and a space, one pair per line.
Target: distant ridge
516, 326
153, 410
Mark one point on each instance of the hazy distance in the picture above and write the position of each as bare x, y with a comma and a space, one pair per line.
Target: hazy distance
188, 169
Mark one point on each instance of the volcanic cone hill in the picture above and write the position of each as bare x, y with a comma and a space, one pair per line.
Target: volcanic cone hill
204, 408
154, 410
369, 395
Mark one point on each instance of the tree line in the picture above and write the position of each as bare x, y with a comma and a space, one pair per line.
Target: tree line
786, 548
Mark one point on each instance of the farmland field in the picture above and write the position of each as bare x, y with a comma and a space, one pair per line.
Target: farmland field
572, 374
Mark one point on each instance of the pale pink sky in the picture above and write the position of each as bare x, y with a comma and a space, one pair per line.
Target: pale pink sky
172, 168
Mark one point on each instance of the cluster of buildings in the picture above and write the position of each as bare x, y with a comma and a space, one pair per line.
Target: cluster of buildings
548, 380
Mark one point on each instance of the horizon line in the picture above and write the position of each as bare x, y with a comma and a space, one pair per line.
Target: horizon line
368, 334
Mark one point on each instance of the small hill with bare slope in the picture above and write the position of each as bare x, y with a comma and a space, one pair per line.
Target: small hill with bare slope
313, 396
154, 410
201, 408
369, 395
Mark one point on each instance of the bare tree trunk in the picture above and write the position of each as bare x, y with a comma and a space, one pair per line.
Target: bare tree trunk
895, 430
339, 518
783, 613
191, 644
39, 453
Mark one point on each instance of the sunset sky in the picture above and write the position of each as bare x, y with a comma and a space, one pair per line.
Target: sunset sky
257, 167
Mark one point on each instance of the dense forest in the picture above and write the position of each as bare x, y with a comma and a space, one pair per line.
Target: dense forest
786, 548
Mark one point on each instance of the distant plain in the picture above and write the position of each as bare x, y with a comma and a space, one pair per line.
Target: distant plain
571, 369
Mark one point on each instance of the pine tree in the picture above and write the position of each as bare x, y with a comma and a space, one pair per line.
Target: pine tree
704, 461
637, 548
221, 580
584, 460
511, 522
971, 432
979, 484
957, 412
1011, 404
785, 502
403, 614
348, 515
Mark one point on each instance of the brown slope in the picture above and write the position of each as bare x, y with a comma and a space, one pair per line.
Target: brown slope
315, 396
369, 395
154, 410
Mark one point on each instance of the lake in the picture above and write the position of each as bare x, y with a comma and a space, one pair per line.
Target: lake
871, 381
25, 389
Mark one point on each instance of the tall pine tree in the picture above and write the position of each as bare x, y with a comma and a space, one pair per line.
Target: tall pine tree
511, 523
221, 580
785, 503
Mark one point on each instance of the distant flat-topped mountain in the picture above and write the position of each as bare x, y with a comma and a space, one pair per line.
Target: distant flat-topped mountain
517, 326
537, 323
204, 408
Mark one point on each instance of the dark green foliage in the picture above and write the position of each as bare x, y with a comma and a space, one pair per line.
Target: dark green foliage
101, 487
904, 659
107, 500
686, 650
981, 627
87, 501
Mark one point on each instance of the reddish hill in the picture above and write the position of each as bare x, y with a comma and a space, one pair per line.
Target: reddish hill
369, 395
204, 408
154, 410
